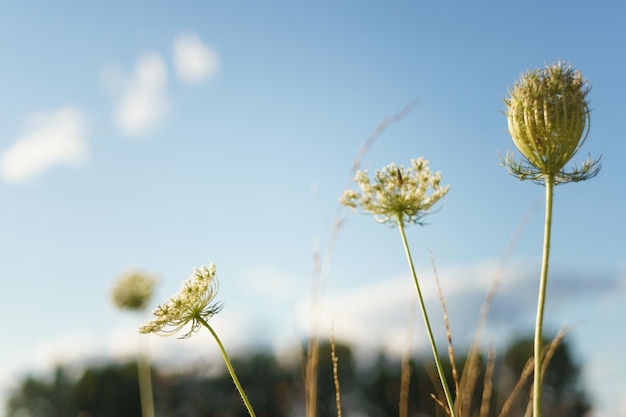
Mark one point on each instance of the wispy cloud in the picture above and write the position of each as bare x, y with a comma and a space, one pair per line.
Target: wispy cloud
52, 138
193, 60
141, 102
374, 315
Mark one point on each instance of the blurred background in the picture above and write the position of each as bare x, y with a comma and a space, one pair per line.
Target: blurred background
161, 136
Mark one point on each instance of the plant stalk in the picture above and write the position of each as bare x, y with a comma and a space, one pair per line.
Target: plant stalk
431, 338
145, 379
231, 370
549, 182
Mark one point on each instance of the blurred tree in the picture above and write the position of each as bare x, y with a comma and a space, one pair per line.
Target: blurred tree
108, 391
43, 398
274, 391
271, 390
563, 395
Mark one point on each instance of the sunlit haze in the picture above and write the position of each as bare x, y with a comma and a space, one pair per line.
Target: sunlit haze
164, 136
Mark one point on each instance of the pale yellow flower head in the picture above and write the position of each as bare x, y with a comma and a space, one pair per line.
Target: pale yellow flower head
548, 119
133, 290
194, 304
397, 194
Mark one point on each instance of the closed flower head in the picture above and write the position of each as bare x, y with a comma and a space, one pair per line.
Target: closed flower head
548, 118
133, 290
193, 304
397, 194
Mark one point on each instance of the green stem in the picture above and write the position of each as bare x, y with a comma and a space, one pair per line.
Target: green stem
431, 338
145, 379
231, 370
549, 179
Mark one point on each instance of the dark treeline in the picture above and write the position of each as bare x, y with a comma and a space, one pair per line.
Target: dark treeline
371, 389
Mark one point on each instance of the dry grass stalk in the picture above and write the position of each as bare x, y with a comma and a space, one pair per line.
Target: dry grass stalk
321, 268
443, 409
335, 359
471, 369
377, 132
485, 405
528, 371
405, 370
446, 323
310, 378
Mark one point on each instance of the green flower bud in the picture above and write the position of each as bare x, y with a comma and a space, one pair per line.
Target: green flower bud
548, 118
133, 290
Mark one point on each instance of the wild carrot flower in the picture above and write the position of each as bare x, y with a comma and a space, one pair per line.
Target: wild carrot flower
548, 118
133, 290
398, 195
402, 196
192, 304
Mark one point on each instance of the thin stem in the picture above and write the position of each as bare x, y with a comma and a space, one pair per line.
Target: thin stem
335, 359
231, 370
431, 338
549, 182
145, 379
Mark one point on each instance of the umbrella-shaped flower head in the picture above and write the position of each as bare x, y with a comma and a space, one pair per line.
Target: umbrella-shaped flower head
397, 194
193, 304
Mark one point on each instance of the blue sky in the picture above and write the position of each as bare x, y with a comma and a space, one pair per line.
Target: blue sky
163, 137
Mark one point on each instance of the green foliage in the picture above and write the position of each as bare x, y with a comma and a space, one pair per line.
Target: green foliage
371, 389
40, 397
562, 394
109, 391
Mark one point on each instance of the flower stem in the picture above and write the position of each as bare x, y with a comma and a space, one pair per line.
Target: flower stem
431, 338
231, 370
145, 379
549, 180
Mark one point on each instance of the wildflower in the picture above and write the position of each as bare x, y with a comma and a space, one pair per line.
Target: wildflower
548, 118
133, 290
192, 304
398, 195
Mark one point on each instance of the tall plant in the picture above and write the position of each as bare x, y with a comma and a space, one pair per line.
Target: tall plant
193, 307
401, 196
548, 118
133, 292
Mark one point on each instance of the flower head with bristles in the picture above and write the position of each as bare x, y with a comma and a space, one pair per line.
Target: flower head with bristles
548, 118
397, 194
133, 290
192, 304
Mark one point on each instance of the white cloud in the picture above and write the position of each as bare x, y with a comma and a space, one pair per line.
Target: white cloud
193, 60
374, 315
55, 138
142, 101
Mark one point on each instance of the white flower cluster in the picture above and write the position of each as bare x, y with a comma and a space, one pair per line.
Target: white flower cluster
133, 290
397, 195
192, 304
